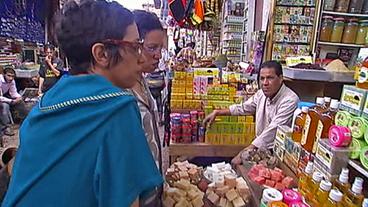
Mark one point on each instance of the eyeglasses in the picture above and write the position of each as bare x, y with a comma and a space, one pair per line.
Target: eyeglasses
137, 46
154, 49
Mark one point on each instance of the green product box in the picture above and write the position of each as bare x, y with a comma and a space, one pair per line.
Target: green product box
233, 119
353, 99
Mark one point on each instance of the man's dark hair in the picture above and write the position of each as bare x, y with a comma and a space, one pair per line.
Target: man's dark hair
82, 25
272, 64
191, 44
9, 70
146, 22
49, 46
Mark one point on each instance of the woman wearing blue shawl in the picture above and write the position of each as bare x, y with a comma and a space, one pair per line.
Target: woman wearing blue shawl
83, 145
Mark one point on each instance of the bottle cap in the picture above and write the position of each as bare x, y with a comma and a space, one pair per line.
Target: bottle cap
309, 168
317, 176
365, 203
327, 99
344, 175
320, 101
305, 109
325, 185
335, 195
334, 104
358, 185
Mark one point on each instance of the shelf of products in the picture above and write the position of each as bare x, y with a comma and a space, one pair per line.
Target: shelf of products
318, 75
291, 31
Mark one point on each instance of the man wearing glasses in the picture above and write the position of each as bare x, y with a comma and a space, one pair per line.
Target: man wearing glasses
9, 97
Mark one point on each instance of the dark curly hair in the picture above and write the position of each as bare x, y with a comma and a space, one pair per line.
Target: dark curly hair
80, 26
146, 22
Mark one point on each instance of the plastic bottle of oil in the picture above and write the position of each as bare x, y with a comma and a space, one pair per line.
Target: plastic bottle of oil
354, 196
299, 124
334, 199
312, 186
327, 120
304, 177
310, 126
322, 193
342, 184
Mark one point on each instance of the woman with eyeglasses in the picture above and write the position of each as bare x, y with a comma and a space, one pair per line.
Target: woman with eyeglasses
152, 33
83, 145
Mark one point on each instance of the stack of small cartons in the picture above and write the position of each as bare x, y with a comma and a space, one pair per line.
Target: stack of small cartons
183, 170
183, 194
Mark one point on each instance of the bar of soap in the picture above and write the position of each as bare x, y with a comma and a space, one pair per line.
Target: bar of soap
223, 202
231, 195
230, 180
238, 202
192, 194
182, 203
222, 191
169, 202
213, 197
197, 202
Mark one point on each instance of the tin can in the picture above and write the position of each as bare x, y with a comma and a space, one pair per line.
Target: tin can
201, 134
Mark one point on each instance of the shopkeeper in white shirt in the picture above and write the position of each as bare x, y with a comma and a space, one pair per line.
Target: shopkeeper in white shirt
273, 106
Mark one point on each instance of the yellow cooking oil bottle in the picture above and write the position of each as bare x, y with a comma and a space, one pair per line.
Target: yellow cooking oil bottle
354, 197
342, 183
299, 124
304, 177
334, 199
322, 193
313, 185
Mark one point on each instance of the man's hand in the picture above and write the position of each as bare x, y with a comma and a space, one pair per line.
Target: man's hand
210, 119
39, 93
237, 159
48, 59
18, 100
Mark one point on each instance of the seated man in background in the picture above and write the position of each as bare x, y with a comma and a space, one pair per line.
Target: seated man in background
9, 97
273, 106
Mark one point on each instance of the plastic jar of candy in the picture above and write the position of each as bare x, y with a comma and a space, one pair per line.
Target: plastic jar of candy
356, 6
350, 32
326, 28
338, 29
362, 32
342, 5
329, 5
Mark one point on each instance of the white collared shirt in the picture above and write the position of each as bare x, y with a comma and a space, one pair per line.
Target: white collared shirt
8, 87
269, 113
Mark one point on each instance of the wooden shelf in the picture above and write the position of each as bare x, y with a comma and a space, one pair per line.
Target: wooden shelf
357, 166
292, 43
291, 24
341, 44
204, 150
345, 14
286, 5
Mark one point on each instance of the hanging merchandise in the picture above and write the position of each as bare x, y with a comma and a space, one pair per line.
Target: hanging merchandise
198, 14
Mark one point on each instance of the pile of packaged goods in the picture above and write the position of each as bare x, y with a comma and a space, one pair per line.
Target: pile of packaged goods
200, 91
187, 128
274, 178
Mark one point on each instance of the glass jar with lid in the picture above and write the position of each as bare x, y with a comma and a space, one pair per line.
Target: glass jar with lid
362, 32
356, 6
350, 32
365, 7
338, 29
326, 28
342, 5
329, 5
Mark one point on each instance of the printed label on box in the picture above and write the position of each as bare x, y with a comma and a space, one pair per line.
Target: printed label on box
352, 98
